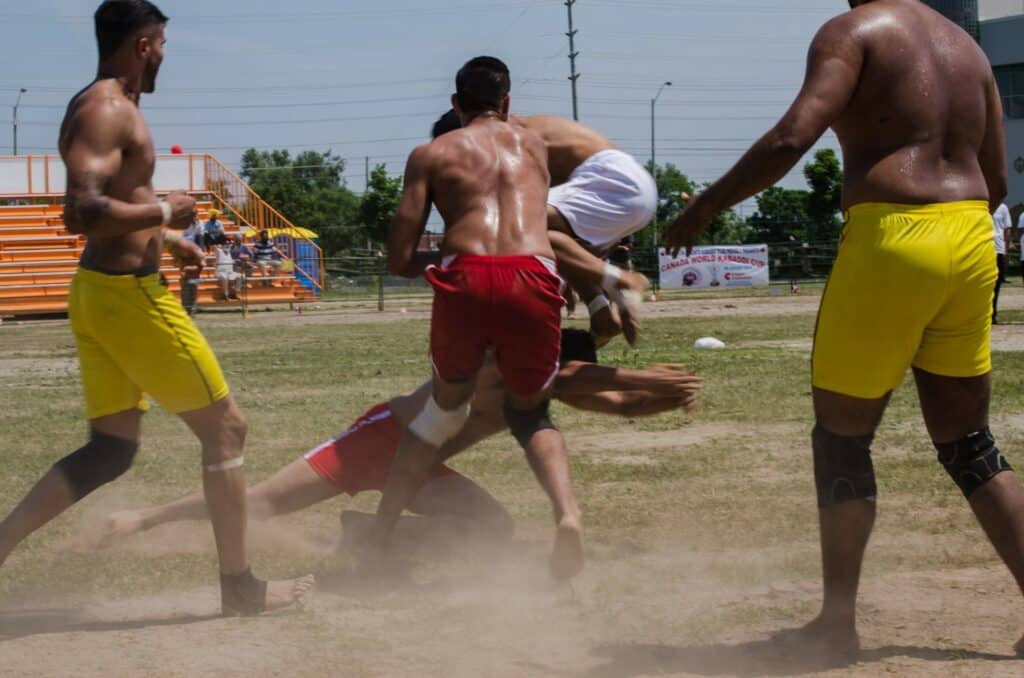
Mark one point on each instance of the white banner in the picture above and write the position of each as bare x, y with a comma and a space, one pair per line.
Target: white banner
717, 267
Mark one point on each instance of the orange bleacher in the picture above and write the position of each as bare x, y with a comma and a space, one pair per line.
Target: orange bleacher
38, 258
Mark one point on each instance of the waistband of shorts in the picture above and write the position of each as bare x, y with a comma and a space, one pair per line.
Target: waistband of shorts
515, 261
884, 209
123, 281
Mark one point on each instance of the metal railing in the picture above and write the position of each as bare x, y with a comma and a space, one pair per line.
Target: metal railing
250, 210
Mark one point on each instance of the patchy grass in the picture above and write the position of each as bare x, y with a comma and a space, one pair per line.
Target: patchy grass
733, 500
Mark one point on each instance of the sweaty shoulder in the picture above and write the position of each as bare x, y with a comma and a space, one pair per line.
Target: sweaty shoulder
551, 127
99, 115
844, 35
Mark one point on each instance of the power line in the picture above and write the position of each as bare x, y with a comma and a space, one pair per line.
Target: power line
275, 18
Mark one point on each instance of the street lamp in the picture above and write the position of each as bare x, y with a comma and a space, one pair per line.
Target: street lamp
16, 104
654, 166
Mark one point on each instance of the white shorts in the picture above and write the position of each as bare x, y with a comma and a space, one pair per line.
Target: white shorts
608, 197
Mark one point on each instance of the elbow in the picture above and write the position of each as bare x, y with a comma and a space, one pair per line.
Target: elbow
998, 189
791, 139
81, 215
791, 145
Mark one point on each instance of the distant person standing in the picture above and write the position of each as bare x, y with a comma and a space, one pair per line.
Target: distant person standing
1003, 223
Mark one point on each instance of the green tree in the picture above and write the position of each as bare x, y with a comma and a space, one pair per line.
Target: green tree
824, 175
309, 190
781, 215
727, 228
379, 203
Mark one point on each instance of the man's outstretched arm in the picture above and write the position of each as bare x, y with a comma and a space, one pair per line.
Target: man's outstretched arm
580, 378
834, 64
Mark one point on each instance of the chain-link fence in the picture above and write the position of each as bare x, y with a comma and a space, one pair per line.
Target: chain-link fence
366, 275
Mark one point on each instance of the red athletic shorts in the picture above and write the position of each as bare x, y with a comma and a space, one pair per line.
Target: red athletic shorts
360, 458
512, 304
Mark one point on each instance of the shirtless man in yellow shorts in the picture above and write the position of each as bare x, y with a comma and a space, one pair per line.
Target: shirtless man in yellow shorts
913, 101
133, 336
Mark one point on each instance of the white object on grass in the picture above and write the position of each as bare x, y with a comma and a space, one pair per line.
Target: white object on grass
709, 343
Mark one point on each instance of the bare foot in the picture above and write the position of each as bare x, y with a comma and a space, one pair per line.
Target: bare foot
831, 644
245, 595
567, 557
288, 592
117, 526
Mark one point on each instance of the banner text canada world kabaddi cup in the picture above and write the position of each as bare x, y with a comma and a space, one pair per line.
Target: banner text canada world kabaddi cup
717, 267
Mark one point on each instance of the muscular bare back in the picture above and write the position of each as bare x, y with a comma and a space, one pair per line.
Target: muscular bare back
108, 150
489, 182
568, 142
919, 116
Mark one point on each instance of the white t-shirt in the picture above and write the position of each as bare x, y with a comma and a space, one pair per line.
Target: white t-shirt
225, 264
1020, 229
1003, 221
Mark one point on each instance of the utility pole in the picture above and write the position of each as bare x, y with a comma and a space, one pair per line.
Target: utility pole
367, 174
654, 166
16, 104
573, 75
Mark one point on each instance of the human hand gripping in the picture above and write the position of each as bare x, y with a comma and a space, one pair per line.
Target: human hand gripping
182, 210
685, 231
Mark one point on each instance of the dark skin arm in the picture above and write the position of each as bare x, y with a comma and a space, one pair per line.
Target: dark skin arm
834, 64
992, 154
411, 217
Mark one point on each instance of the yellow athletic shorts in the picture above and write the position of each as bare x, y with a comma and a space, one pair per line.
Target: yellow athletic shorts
912, 285
134, 337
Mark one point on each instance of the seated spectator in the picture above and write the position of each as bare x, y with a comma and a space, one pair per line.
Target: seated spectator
195, 233
213, 230
225, 272
241, 253
268, 258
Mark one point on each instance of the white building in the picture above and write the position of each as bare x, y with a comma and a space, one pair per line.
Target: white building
997, 9
1002, 38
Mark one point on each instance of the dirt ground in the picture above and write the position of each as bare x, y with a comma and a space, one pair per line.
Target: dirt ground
676, 600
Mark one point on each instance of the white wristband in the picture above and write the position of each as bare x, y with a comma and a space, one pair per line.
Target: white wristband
171, 238
612, 275
167, 211
237, 462
598, 303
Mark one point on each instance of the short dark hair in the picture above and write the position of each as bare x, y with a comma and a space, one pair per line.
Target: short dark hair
577, 346
120, 20
449, 122
482, 84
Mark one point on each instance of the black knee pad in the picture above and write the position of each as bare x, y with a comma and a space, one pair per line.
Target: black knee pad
524, 423
973, 461
103, 459
842, 467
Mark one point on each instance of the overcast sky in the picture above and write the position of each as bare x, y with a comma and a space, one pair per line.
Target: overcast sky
368, 78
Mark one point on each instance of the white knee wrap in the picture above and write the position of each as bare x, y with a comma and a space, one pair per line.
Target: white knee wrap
436, 426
